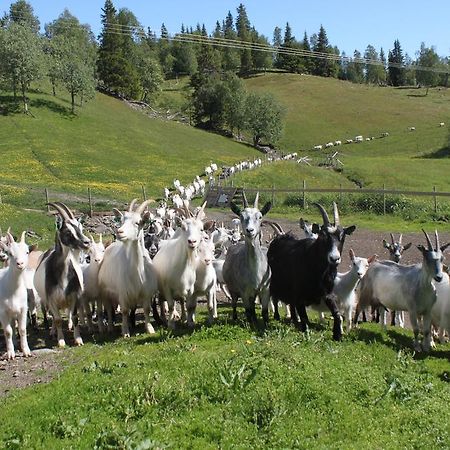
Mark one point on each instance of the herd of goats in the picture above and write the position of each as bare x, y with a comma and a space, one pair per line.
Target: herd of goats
174, 255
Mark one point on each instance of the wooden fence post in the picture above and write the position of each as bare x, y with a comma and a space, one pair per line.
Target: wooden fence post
304, 194
144, 195
435, 199
47, 200
91, 212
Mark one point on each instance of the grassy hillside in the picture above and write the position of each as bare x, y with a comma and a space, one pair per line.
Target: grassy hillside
107, 146
115, 150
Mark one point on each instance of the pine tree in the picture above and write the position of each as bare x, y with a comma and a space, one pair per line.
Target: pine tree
231, 57
307, 61
322, 66
396, 59
21, 12
110, 61
243, 33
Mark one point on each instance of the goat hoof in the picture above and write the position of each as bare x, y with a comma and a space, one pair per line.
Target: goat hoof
61, 343
27, 353
126, 335
10, 355
150, 329
78, 341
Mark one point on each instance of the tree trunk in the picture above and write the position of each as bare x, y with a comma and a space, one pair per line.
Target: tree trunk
24, 99
72, 95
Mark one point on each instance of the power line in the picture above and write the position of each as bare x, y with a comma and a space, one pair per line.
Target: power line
237, 44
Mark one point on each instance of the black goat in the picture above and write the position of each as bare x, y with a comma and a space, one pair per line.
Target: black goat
303, 270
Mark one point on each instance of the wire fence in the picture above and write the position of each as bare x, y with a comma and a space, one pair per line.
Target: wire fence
410, 205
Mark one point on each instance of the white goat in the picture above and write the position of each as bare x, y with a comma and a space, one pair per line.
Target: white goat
176, 263
126, 274
406, 288
13, 294
440, 313
205, 279
90, 275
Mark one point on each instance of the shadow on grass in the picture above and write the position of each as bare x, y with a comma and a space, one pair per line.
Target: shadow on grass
9, 105
438, 154
52, 106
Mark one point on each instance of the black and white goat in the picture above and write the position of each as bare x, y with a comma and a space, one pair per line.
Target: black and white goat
406, 288
245, 270
304, 270
59, 278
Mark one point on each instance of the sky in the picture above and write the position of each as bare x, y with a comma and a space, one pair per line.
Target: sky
349, 24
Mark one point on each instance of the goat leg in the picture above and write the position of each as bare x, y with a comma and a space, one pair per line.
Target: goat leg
330, 301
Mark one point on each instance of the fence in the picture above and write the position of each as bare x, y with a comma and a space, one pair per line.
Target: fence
408, 204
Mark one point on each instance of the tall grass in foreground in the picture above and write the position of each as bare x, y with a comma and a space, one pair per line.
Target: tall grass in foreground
228, 386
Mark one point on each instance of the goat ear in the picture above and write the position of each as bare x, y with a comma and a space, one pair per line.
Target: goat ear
4, 247
32, 248
235, 208
351, 254
315, 228
266, 208
421, 248
443, 247
117, 213
145, 217
386, 244
349, 230
407, 246
372, 259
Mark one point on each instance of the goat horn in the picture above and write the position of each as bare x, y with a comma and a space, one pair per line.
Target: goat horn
201, 212
143, 205
66, 208
430, 245
400, 238
60, 210
133, 202
325, 218
9, 238
255, 205
392, 239
117, 212
437, 240
244, 198
278, 230
336, 215
22, 237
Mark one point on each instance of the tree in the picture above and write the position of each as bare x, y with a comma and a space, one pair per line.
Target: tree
209, 99
375, 72
230, 56
355, 69
243, 33
264, 118
324, 66
110, 60
288, 61
428, 58
396, 74
22, 58
307, 61
276, 42
21, 12
71, 50
235, 103
260, 59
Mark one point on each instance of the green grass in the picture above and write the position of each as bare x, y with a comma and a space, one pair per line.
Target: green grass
228, 386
